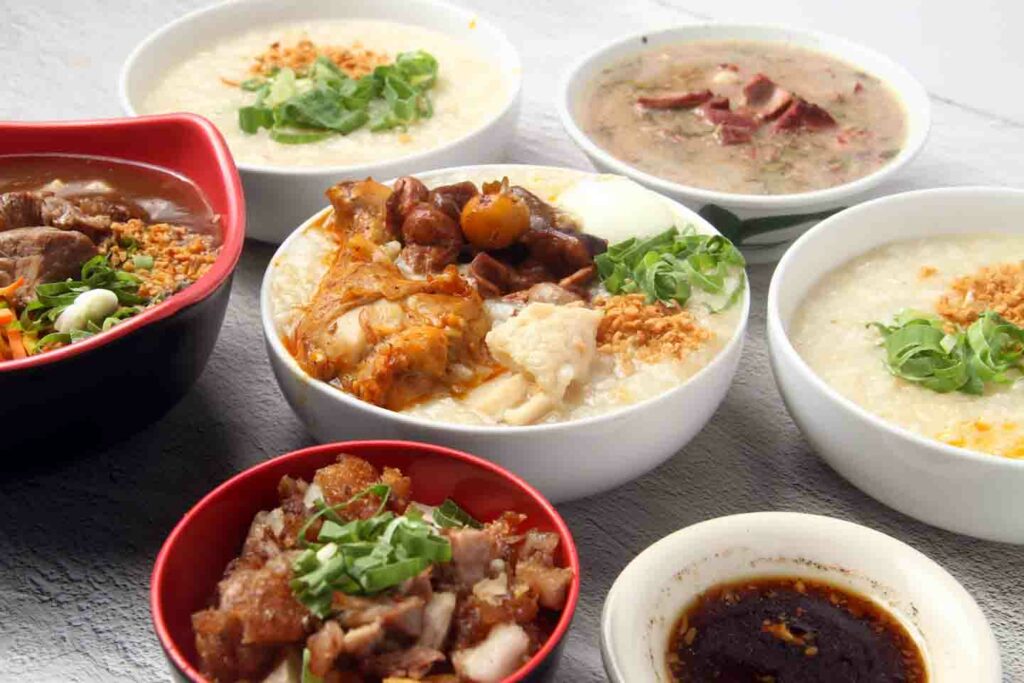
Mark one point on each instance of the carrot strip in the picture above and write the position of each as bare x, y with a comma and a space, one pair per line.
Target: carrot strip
6, 316
17, 345
8, 291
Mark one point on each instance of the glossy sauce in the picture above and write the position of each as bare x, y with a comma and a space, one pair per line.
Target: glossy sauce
679, 145
164, 196
790, 630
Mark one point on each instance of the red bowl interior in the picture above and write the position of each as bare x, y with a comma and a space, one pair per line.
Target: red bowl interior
183, 143
210, 535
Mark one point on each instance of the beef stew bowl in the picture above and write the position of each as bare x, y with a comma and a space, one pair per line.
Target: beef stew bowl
305, 93
762, 130
531, 314
116, 256
400, 612
896, 337
795, 597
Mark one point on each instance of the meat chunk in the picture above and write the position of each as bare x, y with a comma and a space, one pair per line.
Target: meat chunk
551, 584
20, 210
562, 253
41, 255
325, 646
472, 553
733, 135
453, 198
408, 193
220, 648
542, 214
802, 114
437, 620
414, 662
92, 215
676, 100
545, 292
432, 239
501, 653
261, 599
723, 116
360, 208
758, 90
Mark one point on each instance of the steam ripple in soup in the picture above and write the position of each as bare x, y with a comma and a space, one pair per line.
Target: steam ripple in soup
745, 117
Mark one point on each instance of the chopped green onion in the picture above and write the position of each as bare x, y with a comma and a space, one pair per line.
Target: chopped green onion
307, 107
365, 556
143, 261
307, 675
449, 514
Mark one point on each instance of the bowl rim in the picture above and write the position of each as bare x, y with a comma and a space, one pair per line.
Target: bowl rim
276, 346
232, 225
513, 72
776, 330
425, 449
916, 137
770, 522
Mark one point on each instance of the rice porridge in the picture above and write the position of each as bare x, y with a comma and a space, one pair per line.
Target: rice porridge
469, 89
833, 332
562, 348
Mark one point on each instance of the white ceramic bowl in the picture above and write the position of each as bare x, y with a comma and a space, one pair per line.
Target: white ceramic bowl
652, 591
953, 488
565, 460
770, 246
279, 198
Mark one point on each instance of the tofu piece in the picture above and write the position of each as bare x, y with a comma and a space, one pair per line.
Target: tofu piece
553, 345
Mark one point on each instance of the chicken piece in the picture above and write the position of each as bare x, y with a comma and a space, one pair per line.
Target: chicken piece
554, 345
360, 208
396, 357
497, 656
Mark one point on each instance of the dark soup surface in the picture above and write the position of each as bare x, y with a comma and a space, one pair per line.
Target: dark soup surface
87, 242
790, 630
744, 117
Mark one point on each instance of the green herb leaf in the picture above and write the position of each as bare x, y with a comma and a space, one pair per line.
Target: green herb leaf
251, 119
669, 266
307, 675
924, 349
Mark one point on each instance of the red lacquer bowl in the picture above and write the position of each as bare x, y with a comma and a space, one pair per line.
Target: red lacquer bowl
210, 535
146, 363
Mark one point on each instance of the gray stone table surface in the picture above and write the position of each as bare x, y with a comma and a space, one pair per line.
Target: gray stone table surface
78, 535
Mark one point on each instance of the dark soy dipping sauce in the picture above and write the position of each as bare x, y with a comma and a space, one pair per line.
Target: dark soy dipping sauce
165, 196
790, 630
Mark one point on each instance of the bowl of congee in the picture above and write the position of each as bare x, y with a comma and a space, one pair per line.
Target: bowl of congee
896, 334
575, 328
304, 93
762, 130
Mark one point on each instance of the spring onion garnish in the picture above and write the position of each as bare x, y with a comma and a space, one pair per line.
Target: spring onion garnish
312, 105
53, 298
926, 350
143, 261
307, 675
668, 266
449, 514
363, 556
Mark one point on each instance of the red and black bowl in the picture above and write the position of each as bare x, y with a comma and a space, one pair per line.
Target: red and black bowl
210, 535
143, 365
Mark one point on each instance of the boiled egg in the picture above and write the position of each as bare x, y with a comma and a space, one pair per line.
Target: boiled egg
616, 208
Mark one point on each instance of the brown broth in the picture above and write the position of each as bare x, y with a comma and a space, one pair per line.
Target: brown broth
790, 630
166, 197
680, 146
